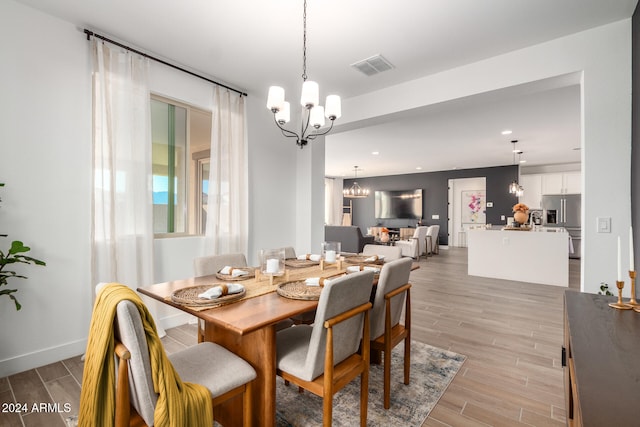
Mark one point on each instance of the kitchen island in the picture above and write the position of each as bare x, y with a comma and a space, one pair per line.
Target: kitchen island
540, 256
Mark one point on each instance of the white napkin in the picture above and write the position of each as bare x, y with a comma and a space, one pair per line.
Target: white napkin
373, 258
315, 281
216, 291
235, 272
356, 268
310, 257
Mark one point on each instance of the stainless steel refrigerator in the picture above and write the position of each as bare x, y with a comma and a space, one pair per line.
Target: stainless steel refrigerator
564, 211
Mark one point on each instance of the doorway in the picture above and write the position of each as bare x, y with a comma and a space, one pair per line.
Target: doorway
467, 207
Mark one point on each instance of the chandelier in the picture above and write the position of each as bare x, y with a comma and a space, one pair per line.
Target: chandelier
313, 114
514, 187
355, 191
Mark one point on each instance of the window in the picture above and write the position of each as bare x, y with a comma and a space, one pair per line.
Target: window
181, 137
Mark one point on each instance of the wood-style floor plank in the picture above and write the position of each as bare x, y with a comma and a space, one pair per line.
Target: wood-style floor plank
511, 333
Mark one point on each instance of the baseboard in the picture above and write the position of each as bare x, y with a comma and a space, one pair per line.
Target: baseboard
42, 357
174, 320
50, 355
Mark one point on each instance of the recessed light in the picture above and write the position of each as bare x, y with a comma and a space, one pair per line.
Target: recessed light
375, 153
507, 132
419, 168
523, 161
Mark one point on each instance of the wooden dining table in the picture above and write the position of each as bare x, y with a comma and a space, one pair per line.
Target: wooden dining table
247, 327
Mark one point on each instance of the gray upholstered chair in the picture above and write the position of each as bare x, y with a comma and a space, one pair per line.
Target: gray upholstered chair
350, 237
223, 373
207, 265
432, 239
415, 246
312, 356
211, 264
392, 293
289, 252
390, 252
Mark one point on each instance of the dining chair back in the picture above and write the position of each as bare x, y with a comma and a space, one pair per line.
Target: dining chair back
289, 252
390, 253
223, 373
391, 297
207, 265
211, 264
338, 341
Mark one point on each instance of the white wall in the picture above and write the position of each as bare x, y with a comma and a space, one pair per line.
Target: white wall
602, 56
45, 161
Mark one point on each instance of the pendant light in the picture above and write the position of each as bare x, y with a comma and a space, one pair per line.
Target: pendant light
355, 191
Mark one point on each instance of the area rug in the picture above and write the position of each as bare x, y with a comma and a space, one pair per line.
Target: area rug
432, 370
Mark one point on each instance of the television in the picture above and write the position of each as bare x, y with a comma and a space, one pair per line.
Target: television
398, 204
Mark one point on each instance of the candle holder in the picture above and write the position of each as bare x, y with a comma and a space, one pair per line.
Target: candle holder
331, 255
632, 302
272, 263
619, 304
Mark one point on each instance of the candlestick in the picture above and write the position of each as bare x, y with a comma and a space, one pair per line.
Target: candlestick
631, 257
619, 304
619, 263
632, 302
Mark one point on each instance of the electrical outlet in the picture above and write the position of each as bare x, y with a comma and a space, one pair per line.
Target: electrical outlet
435, 216
502, 218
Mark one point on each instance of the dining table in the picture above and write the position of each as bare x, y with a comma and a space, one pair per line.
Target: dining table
247, 327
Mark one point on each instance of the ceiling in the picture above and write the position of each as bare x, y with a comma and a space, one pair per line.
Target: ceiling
252, 44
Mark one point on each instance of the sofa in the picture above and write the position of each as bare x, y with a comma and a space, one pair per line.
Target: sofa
350, 237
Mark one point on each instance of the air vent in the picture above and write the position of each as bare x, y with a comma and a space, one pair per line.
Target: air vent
372, 65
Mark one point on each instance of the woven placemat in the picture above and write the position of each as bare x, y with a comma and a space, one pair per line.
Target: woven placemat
251, 273
299, 290
362, 259
189, 296
300, 263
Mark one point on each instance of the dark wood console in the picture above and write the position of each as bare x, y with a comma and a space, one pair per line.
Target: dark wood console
601, 359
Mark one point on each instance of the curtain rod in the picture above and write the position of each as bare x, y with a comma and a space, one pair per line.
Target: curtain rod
92, 34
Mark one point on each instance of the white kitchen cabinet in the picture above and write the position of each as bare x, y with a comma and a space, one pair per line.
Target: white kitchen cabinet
573, 183
561, 183
532, 185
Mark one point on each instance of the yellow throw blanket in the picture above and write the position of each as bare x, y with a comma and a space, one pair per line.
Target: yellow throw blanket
179, 404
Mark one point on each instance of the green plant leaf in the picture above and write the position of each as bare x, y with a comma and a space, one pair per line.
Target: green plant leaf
17, 247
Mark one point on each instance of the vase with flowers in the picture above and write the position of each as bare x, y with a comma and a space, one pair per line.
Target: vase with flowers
384, 235
520, 213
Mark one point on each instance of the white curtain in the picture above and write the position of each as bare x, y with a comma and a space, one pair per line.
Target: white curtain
122, 215
333, 201
227, 209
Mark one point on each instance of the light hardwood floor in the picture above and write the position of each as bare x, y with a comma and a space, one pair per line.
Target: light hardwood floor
511, 333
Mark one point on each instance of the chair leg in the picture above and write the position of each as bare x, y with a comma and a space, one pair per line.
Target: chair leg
387, 376
327, 409
247, 410
364, 397
407, 359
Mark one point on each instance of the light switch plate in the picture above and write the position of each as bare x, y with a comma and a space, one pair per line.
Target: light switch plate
604, 224
489, 204
435, 216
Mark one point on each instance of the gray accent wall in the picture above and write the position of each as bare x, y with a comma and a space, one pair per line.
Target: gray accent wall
435, 196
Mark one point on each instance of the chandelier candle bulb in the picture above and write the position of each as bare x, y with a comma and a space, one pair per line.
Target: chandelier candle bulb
310, 94
275, 99
317, 116
333, 109
284, 115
